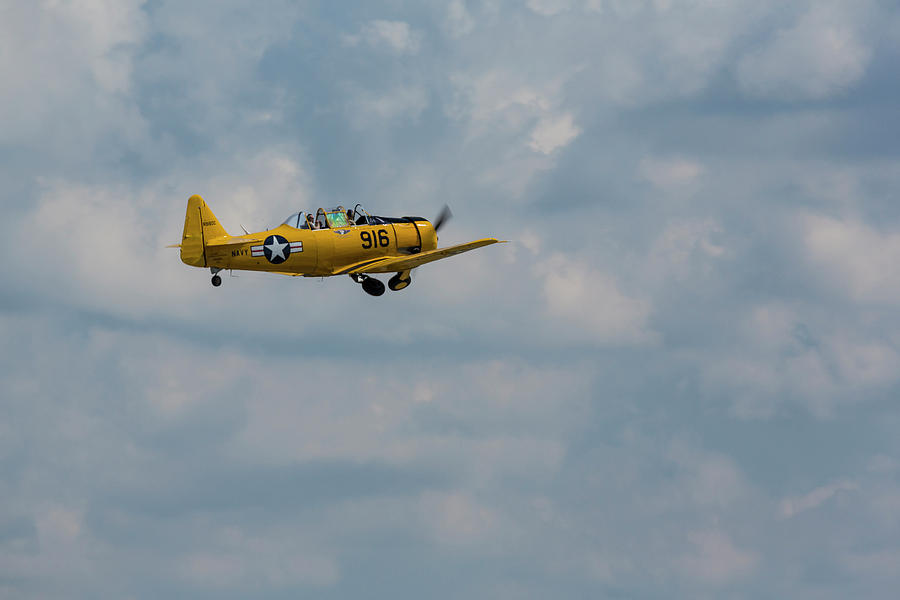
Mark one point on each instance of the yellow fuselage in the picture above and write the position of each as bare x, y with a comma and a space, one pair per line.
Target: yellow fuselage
324, 252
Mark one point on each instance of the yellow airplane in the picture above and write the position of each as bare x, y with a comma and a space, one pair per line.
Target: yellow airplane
331, 242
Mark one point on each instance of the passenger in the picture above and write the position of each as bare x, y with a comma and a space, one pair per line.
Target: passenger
310, 222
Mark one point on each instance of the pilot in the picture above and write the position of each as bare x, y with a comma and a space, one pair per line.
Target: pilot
350, 216
310, 222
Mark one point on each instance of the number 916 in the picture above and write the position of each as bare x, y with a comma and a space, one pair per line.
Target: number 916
370, 240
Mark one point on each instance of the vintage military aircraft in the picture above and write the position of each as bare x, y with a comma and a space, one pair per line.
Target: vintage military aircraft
331, 242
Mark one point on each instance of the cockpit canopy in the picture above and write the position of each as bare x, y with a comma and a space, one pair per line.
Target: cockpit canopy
297, 220
337, 217
333, 218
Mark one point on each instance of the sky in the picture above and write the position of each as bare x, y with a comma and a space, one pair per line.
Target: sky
679, 379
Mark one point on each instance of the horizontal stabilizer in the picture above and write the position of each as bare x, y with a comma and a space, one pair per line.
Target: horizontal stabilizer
234, 241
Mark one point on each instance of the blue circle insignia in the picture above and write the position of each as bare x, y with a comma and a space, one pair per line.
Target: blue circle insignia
277, 249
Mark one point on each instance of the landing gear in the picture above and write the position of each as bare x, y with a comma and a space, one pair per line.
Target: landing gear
399, 281
216, 280
370, 285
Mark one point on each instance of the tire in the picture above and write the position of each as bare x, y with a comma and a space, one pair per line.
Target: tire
396, 283
373, 287
216, 281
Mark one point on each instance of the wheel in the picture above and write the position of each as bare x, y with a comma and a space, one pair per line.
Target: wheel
216, 281
373, 287
396, 283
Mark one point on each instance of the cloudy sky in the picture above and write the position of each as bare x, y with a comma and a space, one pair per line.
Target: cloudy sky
679, 379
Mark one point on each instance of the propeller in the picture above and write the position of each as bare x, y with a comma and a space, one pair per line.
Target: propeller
446, 215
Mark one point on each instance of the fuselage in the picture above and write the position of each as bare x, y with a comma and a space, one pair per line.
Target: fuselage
322, 252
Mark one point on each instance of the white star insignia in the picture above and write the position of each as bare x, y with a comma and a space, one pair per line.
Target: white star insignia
277, 249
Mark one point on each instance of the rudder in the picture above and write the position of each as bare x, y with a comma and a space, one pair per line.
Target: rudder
200, 225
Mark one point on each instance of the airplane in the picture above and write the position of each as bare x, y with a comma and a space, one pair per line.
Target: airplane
331, 242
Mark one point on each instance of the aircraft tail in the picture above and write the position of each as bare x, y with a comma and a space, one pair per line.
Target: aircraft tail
200, 226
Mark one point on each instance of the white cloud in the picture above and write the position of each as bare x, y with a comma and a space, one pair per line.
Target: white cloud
716, 560
769, 366
552, 133
670, 173
457, 518
821, 55
61, 547
624, 79
777, 362
458, 22
401, 102
652, 50
514, 172
524, 416
531, 241
548, 8
686, 247
58, 525
521, 123
178, 384
854, 258
707, 479
881, 463
591, 303
396, 36
210, 53
502, 97
70, 65
885, 504
884, 563
278, 560
865, 363
110, 239
595, 6
792, 506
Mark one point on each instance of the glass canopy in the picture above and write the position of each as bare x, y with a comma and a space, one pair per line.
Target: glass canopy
297, 220
333, 218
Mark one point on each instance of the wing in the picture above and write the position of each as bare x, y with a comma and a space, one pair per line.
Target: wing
397, 264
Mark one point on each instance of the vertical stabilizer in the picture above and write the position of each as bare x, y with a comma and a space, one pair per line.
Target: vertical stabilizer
200, 225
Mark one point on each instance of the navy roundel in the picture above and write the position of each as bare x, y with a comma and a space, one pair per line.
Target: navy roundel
277, 249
